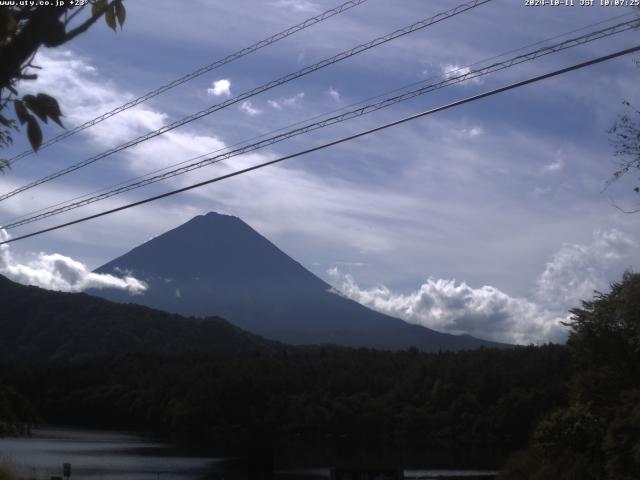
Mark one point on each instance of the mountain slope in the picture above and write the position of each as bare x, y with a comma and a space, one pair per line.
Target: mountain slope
38, 324
217, 264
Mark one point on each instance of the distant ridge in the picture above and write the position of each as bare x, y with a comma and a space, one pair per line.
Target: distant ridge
38, 324
218, 265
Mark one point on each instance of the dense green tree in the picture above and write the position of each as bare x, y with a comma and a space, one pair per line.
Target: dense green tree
439, 400
598, 435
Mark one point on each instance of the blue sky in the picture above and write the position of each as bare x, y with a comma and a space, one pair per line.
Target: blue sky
486, 219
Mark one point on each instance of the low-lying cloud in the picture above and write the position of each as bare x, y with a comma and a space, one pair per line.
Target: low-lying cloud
62, 273
572, 275
457, 308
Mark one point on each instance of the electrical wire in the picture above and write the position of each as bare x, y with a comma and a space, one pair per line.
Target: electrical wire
336, 142
360, 102
263, 88
366, 109
196, 73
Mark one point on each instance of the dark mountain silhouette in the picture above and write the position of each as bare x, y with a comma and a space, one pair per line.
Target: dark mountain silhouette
218, 265
38, 324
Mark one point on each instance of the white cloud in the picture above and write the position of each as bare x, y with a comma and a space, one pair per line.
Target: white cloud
334, 94
472, 132
554, 166
297, 5
328, 203
452, 70
63, 71
58, 272
325, 206
248, 108
220, 88
575, 271
293, 101
410, 222
572, 275
457, 308
92, 94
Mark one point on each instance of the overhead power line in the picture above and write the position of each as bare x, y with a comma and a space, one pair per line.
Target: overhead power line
357, 112
463, 68
263, 88
196, 73
336, 142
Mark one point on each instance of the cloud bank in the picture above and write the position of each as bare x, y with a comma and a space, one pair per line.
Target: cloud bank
457, 308
576, 270
573, 274
58, 272
326, 208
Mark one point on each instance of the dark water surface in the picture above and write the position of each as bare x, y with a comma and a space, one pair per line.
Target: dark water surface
102, 455
107, 455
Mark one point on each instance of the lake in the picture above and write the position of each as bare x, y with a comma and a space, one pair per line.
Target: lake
105, 455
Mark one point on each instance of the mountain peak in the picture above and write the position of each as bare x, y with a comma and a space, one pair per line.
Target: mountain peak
215, 216
216, 264
214, 219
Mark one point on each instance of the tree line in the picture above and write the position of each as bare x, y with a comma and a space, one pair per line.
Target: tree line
572, 411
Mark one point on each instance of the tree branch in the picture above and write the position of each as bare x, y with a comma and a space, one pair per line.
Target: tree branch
39, 30
76, 12
618, 207
83, 27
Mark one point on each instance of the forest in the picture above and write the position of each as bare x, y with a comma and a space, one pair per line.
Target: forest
563, 411
475, 398
596, 435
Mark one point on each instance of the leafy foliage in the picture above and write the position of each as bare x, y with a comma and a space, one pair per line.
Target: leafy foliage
598, 435
24, 28
475, 398
86, 361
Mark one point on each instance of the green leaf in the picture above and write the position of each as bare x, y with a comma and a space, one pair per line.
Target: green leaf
21, 112
98, 7
110, 18
50, 106
34, 133
34, 105
121, 13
